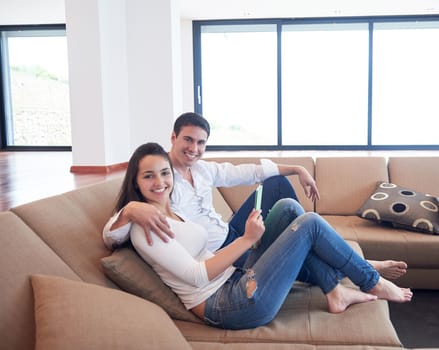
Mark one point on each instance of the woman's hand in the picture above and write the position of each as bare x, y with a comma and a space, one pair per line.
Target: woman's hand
225, 257
254, 226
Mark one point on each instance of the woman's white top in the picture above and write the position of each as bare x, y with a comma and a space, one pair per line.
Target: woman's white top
180, 263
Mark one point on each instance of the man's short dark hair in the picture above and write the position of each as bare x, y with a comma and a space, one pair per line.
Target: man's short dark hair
191, 119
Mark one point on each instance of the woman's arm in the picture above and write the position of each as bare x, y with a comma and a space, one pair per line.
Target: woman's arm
176, 259
225, 257
170, 256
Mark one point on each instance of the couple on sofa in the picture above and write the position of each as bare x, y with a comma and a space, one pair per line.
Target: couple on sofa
238, 286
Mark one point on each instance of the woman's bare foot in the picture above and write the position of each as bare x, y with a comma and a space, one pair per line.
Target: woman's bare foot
389, 269
387, 290
341, 297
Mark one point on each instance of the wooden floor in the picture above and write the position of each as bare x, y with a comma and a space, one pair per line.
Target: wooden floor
28, 176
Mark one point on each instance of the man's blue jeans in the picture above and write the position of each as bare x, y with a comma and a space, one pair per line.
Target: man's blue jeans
307, 249
275, 188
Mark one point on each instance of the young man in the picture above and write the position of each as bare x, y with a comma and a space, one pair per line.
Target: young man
192, 194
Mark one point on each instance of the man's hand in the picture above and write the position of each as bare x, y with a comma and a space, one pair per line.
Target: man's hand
308, 184
148, 217
306, 180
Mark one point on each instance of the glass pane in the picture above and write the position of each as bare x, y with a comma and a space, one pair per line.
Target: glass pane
239, 73
325, 84
405, 83
39, 109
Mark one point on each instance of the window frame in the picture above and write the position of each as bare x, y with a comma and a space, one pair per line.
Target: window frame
369, 20
4, 94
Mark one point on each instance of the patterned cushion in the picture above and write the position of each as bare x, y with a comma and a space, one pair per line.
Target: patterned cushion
403, 208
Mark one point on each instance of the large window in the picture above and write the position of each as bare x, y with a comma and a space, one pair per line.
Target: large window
36, 111
342, 83
405, 83
240, 84
324, 84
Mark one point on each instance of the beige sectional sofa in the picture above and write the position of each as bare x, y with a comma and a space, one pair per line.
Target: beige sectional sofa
345, 183
54, 293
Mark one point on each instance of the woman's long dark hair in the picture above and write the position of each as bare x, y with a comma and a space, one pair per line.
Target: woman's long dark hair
129, 190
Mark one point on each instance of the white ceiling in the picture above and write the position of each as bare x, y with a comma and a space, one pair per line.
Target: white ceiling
231, 9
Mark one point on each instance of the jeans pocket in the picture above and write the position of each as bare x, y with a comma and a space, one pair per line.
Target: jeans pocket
212, 323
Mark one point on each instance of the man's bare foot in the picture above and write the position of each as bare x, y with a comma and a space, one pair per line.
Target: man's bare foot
341, 297
389, 269
387, 290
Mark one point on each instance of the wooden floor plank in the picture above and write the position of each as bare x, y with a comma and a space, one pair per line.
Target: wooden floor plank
28, 176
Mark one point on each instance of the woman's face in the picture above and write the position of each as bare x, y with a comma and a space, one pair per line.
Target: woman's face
154, 179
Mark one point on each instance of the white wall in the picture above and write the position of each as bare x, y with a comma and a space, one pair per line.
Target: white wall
187, 65
125, 68
31, 12
125, 76
214, 9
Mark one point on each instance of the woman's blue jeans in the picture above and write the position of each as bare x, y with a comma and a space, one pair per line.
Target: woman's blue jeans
303, 247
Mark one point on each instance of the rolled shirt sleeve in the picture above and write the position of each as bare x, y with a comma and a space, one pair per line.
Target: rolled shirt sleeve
269, 168
229, 175
117, 237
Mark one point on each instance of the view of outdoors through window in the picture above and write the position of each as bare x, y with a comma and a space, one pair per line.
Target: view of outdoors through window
240, 84
324, 84
352, 83
405, 83
38, 113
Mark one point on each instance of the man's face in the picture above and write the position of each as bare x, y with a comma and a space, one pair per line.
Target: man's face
188, 146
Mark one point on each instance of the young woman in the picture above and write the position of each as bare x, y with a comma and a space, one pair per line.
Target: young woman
292, 245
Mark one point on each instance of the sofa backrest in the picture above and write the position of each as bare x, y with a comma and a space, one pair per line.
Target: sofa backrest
23, 254
71, 224
235, 196
346, 182
416, 173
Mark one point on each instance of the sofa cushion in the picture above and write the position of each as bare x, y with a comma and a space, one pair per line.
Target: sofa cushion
304, 319
311, 323
346, 182
418, 173
132, 274
71, 224
235, 196
23, 253
76, 315
382, 242
402, 207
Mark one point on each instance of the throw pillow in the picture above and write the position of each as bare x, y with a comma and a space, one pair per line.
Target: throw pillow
133, 275
77, 315
402, 207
